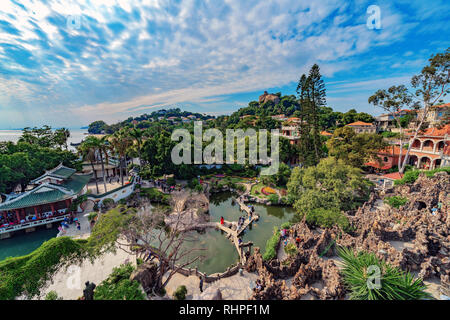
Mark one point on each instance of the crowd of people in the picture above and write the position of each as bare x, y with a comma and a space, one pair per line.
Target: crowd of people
290, 234
10, 219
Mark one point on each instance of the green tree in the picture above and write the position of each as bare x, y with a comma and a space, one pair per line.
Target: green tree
121, 141
392, 101
88, 150
97, 127
354, 149
312, 97
332, 184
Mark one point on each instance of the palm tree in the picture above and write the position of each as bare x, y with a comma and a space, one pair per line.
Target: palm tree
137, 136
88, 149
121, 142
103, 147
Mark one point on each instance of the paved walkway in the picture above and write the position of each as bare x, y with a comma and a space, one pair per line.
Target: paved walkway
69, 284
85, 226
236, 287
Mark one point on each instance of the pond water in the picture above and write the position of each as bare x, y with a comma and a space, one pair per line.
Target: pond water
220, 252
22, 243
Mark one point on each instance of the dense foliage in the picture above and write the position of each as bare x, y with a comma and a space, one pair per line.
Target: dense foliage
22, 162
27, 274
118, 286
180, 293
355, 149
332, 184
327, 218
396, 201
390, 284
411, 176
271, 245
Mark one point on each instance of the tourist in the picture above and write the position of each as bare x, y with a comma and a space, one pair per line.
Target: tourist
78, 225
149, 255
222, 221
297, 241
239, 241
201, 284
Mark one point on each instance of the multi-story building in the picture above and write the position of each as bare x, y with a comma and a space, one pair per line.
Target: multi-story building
431, 148
290, 130
386, 122
363, 127
436, 115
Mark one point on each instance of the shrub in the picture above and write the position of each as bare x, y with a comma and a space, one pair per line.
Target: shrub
327, 218
396, 201
118, 286
268, 190
154, 195
171, 181
394, 284
180, 293
271, 245
286, 225
198, 188
273, 198
390, 134
411, 176
92, 216
108, 202
290, 249
52, 295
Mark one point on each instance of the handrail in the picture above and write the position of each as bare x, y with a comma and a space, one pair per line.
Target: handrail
32, 223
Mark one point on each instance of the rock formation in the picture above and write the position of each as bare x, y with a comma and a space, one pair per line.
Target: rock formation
268, 97
413, 238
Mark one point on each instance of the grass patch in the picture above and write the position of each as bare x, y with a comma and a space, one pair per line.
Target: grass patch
395, 201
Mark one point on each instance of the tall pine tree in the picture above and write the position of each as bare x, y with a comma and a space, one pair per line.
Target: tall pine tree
312, 96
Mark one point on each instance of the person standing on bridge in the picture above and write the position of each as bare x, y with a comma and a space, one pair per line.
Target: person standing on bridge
222, 220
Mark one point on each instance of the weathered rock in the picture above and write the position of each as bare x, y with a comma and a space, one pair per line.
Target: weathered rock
145, 274
376, 226
268, 97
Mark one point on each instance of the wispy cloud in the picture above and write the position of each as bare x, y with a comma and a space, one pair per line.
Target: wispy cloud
69, 61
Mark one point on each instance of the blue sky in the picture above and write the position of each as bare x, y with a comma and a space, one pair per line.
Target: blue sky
68, 63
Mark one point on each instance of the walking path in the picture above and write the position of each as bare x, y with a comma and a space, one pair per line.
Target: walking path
233, 235
236, 287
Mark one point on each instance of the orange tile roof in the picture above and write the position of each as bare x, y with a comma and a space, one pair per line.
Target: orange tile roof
360, 123
393, 176
446, 105
324, 133
436, 132
377, 165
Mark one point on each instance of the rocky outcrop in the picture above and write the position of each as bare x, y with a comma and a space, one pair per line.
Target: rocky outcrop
413, 237
268, 97
145, 274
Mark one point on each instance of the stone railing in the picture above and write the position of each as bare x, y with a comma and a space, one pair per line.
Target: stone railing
231, 271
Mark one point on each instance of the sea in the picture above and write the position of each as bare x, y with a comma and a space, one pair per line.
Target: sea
76, 136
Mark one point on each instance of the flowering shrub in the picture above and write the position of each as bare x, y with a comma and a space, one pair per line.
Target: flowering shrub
268, 190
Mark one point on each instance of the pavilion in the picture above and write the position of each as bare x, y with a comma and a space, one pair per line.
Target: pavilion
51, 197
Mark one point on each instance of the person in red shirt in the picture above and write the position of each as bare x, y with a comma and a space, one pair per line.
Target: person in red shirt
222, 220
